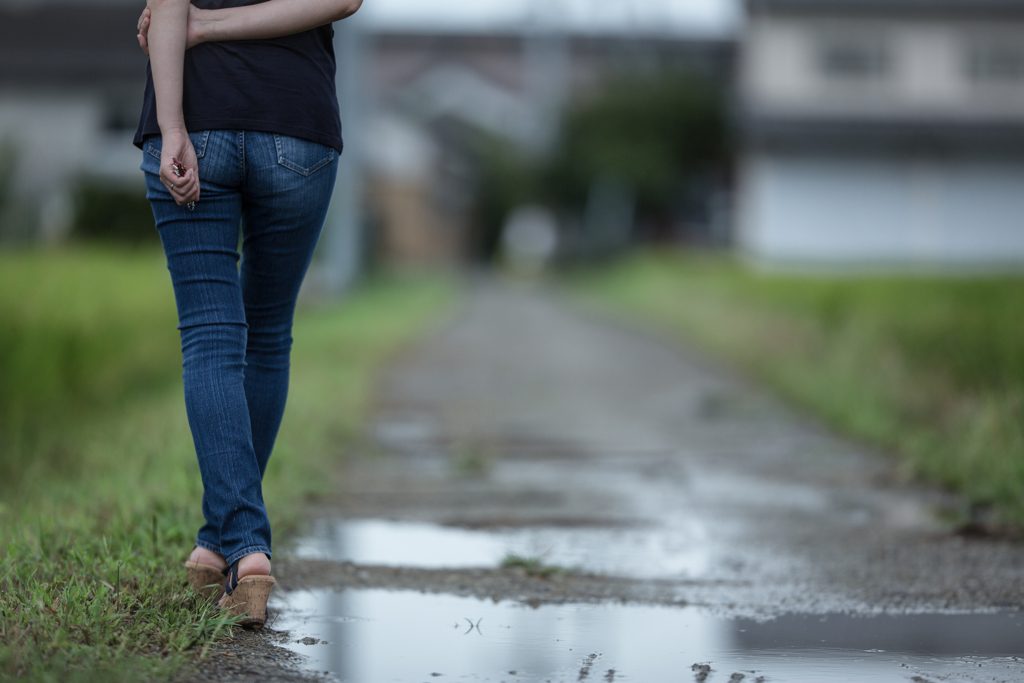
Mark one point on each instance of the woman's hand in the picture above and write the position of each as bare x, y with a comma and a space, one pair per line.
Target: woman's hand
193, 37
177, 148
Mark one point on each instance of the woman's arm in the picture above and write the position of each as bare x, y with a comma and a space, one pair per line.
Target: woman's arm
167, 37
271, 19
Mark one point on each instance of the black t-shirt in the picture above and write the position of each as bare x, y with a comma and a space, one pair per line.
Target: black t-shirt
279, 85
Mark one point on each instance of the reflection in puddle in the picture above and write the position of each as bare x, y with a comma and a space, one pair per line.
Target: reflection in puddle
668, 551
376, 636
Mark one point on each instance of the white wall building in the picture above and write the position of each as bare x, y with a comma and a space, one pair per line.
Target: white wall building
883, 132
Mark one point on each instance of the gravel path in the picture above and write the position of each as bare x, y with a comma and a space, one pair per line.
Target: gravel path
664, 478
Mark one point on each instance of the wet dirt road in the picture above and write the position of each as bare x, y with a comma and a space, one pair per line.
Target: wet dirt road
661, 519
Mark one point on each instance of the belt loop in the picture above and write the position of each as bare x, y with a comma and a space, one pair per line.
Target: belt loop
241, 156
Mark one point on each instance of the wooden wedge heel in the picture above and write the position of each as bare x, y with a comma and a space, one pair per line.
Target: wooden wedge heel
206, 579
249, 600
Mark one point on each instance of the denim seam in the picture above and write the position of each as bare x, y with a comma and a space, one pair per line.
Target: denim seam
209, 546
213, 323
241, 157
248, 550
201, 152
291, 165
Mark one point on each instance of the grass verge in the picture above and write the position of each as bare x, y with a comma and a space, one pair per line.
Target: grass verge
534, 567
99, 485
928, 367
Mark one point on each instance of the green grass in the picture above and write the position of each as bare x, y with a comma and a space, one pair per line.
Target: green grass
99, 483
928, 367
534, 567
83, 331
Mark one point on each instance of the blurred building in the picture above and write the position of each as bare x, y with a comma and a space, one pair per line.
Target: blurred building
71, 78
883, 131
433, 95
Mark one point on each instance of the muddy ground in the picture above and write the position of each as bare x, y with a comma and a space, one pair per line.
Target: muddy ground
665, 478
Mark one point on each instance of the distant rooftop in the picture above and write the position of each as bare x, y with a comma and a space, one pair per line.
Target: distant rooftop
945, 7
683, 18
606, 17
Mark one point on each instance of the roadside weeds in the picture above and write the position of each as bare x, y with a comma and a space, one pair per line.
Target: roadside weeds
926, 367
101, 506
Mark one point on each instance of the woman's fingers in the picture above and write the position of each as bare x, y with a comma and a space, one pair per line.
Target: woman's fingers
190, 193
182, 198
184, 189
170, 180
180, 192
179, 157
143, 27
187, 192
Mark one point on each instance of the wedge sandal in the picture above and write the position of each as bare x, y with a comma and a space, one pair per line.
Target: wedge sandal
247, 597
206, 579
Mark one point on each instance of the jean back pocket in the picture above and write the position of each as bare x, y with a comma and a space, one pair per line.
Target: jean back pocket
302, 156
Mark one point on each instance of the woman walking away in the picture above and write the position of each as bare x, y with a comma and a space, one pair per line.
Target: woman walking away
239, 132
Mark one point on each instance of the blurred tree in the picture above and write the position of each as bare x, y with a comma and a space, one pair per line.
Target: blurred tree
507, 180
8, 161
16, 217
649, 133
654, 136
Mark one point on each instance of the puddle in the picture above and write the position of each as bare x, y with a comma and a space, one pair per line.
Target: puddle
377, 636
677, 551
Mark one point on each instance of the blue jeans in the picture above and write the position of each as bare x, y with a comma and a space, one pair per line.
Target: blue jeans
235, 321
